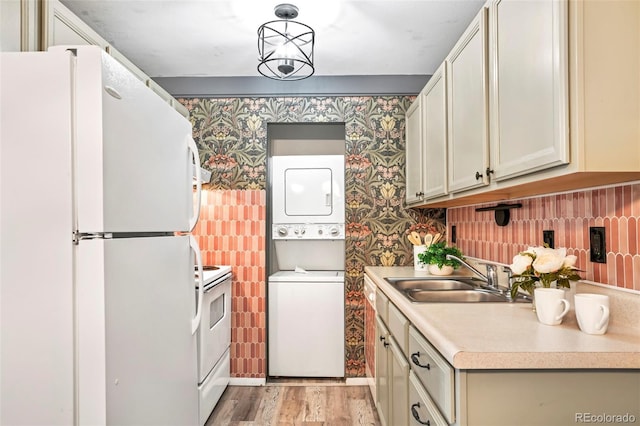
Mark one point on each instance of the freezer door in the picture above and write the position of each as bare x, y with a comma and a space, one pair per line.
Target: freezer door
137, 354
134, 168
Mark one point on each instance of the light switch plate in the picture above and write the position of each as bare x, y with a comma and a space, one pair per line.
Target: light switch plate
597, 244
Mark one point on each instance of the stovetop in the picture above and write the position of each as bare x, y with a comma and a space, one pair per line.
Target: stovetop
212, 273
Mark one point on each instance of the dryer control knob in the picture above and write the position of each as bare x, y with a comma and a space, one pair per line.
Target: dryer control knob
320, 232
282, 231
334, 231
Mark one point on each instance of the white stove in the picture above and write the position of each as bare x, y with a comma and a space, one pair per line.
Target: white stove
212, 273
214, 338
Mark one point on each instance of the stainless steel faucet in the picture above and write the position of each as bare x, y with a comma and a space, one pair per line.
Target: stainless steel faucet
491, 278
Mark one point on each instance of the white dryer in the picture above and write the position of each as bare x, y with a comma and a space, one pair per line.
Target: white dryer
308, 189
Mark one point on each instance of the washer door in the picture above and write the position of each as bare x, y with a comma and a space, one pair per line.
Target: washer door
306, 329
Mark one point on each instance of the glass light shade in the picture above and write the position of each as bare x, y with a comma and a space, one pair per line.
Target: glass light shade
285, 50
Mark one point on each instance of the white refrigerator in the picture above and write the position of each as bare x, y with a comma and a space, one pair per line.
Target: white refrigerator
98, 307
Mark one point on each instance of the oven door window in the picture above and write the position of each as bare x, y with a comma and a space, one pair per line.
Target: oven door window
216, 310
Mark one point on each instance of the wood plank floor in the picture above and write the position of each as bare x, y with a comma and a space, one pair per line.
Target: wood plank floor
308, 404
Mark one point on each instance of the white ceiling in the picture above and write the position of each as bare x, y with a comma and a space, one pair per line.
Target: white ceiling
217, 38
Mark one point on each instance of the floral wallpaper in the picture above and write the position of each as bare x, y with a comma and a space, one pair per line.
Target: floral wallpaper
231, 134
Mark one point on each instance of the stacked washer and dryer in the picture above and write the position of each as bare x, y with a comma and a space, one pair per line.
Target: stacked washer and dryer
306, 293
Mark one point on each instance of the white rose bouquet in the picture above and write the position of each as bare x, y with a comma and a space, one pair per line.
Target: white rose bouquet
544, 265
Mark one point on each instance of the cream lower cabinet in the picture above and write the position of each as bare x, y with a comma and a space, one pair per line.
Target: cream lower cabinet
547, 397
433, 381
399, 386
442, 395
392, 367
382, 372
416, 385
468, 138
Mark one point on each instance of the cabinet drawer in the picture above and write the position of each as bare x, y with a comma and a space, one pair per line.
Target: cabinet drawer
399, 328
382, 306
422, 409
434, 373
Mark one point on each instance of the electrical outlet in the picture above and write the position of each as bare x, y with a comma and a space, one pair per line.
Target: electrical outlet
454, 237
597, 244
548, 237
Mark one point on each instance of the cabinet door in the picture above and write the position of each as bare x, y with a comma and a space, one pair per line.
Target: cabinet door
528, 86
434, 107
19, 25
382, 372
399, 386
62, 27
414, 152
468, 143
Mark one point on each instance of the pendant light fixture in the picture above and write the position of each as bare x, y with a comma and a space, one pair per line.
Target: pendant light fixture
285, 46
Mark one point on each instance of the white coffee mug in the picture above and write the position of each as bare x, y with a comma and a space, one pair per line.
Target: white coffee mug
592, 312
551, 306
417, 265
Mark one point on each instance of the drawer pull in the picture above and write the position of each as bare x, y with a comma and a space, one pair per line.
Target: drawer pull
416, 415
384, 342
416, 361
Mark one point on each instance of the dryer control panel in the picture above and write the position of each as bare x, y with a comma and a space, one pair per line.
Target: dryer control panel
308, 231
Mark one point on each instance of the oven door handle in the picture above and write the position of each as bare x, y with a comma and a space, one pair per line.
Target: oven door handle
195, 322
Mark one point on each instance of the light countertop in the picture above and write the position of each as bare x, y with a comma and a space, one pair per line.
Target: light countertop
509, 336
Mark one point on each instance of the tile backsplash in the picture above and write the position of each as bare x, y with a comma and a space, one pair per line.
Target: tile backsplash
570, 215
231, 231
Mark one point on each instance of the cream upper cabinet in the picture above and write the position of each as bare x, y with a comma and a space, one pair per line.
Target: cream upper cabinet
528, 97
563, 104
434, 111
18, 25
61, 26
414, 151
468, 143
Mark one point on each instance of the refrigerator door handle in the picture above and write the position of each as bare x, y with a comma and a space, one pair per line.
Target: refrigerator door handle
191, 144
195, 322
